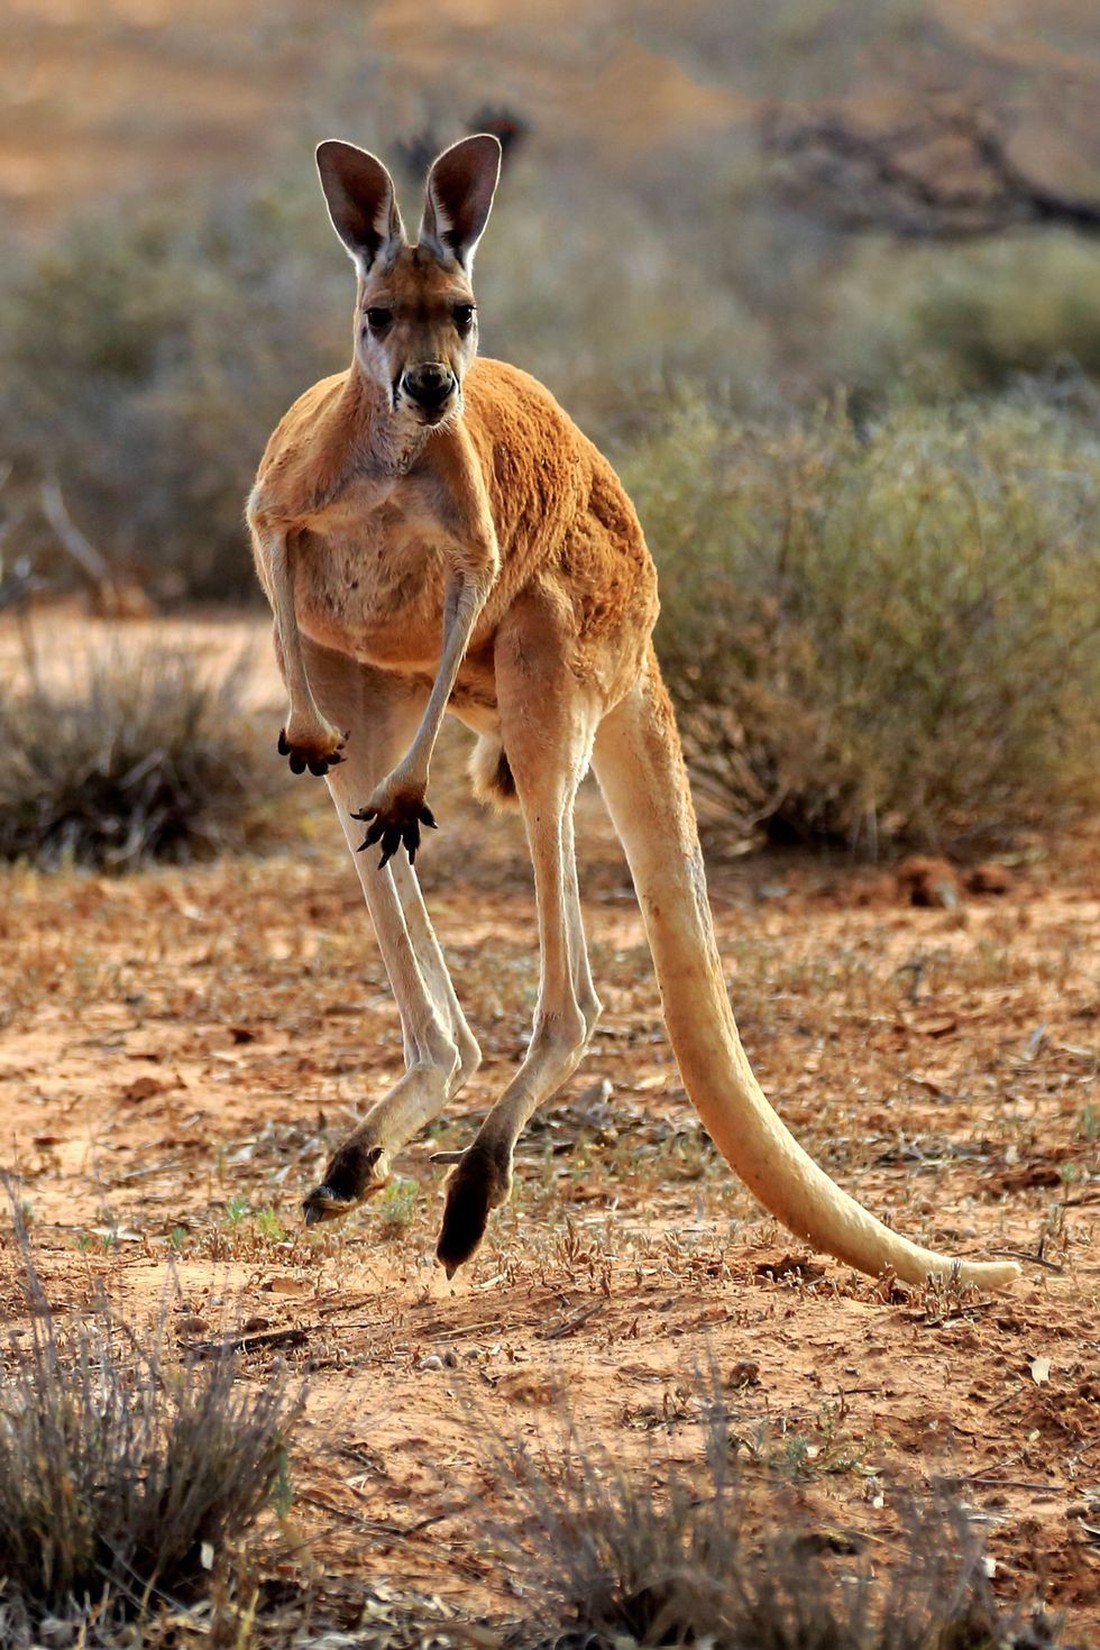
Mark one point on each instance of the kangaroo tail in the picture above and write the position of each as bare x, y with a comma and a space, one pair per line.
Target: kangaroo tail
491, 774
641, 772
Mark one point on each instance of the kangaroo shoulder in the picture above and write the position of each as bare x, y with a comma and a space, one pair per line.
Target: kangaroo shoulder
308, 442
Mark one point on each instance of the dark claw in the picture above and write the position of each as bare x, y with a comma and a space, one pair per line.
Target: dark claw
479, 1184
300, 761
394, 834
374, 832
464, 1223
391, 841
325, 1203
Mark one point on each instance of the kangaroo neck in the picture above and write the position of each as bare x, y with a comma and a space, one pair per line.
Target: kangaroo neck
380, 441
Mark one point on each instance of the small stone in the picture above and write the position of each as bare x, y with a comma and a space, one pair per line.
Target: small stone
744, 1373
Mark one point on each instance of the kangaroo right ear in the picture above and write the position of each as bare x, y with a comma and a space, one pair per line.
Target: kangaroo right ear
459, 197
361, 200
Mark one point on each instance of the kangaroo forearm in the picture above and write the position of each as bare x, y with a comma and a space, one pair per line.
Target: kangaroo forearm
460, 617
304, 715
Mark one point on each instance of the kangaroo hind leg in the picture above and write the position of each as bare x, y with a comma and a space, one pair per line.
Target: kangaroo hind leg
439, 1048
548, 724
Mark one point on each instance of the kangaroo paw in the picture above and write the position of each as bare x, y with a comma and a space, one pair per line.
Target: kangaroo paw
316, 755
395, 824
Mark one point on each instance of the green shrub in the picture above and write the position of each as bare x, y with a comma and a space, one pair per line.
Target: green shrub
958, 320
887, 633
145, 361
133, 753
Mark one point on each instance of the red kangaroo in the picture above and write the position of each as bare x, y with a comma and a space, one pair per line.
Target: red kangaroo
435, 534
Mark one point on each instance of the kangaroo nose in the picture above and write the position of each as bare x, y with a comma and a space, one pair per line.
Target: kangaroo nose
429, 385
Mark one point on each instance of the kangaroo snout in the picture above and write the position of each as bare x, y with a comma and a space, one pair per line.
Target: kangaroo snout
430, 386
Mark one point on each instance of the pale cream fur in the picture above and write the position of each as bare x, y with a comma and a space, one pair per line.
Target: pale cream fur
434, 534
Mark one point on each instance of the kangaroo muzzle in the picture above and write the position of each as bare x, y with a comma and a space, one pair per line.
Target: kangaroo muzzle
431, 387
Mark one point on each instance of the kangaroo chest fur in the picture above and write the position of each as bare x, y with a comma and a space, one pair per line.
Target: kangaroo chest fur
369, 574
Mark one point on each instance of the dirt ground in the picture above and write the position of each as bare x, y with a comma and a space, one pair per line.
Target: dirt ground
180, 1048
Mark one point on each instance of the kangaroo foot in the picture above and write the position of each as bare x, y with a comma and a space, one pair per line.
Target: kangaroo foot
479, 1184
355, 1172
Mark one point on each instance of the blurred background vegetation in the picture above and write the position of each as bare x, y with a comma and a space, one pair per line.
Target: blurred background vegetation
823, 279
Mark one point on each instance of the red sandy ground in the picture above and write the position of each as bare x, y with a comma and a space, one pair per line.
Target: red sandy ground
179, 1048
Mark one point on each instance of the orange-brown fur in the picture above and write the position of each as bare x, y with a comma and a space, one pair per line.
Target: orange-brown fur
372, 578
435, 533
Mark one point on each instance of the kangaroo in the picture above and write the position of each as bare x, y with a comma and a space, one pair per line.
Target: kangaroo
435, 534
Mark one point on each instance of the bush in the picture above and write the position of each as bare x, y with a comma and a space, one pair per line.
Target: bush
135, 753
886, 633
146, 355
950, 320
609, 1559
124, 1473
145, 361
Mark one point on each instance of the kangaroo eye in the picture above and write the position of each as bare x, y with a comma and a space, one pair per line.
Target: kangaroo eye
378, 319
463, 316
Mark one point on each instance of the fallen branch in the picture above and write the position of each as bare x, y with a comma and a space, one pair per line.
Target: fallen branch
114, 597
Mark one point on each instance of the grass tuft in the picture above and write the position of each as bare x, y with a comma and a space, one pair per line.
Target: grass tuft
613, 1557
134, 753
125, 1473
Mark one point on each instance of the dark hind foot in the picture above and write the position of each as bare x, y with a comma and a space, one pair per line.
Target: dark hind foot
355, 1172
480, 1183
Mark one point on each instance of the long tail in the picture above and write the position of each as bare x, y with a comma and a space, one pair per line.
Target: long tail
641, 772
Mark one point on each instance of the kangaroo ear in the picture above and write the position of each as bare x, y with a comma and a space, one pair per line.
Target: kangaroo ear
361, 200
461, 185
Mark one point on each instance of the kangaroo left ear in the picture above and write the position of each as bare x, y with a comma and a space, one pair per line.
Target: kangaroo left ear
460, 190
361, 201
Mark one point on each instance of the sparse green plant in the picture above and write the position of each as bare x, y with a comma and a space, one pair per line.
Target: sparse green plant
270, 1227
881, 633
397, 1206
134, 753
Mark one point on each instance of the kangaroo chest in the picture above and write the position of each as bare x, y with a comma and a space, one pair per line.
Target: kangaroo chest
370, 576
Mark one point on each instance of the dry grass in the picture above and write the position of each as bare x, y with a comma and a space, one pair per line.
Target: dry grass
132, 753
609, 1556
126, 1474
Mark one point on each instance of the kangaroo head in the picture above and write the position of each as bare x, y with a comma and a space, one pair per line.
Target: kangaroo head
415, 316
